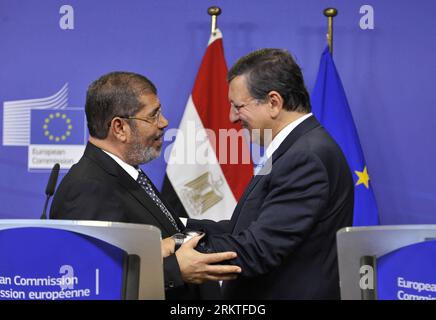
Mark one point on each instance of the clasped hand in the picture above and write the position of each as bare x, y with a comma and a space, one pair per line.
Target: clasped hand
197, 267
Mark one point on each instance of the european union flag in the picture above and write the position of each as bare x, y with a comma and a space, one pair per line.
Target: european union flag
57, 126
330, 106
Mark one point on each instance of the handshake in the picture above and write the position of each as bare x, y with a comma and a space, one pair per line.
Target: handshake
197, 267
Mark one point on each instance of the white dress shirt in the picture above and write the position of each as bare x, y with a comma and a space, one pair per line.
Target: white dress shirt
131, 170
278, 139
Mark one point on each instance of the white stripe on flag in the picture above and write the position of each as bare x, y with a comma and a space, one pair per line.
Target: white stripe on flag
183, 169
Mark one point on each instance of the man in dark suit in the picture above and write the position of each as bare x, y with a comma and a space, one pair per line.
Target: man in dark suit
126, 127
284, 226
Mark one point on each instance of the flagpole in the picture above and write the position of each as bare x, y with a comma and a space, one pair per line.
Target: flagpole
330, 13
214, 12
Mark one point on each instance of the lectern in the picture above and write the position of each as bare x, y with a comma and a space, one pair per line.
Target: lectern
65, 259
387, 262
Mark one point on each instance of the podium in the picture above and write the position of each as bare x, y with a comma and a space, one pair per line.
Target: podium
387, 262
66, 259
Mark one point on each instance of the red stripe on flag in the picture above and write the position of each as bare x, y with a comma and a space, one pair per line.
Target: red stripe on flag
210, 96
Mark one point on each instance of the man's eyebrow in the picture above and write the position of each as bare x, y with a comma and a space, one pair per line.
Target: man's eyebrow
155, 109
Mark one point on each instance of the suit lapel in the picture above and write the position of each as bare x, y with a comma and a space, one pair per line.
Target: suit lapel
304, 127
127, 182
136, 191
241, 201
307, 125
169, 207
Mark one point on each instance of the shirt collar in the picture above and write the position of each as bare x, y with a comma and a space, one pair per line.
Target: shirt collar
281, 136
131, 170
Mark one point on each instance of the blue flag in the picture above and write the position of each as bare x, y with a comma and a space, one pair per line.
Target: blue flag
57, 127
330, 106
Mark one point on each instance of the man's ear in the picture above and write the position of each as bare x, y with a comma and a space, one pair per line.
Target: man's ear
276, 103
119, 129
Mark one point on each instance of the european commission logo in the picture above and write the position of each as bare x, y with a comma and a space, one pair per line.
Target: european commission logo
52, 132
57, 127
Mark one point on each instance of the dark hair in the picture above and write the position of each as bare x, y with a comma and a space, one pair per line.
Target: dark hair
114, 94
269, 70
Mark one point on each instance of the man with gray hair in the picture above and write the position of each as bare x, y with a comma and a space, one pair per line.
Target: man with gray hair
126, 126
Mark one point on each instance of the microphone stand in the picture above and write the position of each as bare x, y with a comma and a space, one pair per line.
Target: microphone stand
44, 212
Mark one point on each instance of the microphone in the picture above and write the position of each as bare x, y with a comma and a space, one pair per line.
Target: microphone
50, 189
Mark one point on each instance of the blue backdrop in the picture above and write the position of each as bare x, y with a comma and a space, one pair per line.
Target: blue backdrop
386, 72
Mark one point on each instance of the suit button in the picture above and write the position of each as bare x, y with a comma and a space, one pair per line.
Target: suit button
171, 284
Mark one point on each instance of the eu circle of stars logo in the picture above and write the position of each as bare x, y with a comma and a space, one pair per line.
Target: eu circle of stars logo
57, 127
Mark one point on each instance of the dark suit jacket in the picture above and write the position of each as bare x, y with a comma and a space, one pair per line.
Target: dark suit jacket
97, 188
284, 226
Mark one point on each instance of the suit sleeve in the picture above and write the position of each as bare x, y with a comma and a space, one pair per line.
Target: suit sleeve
209, 226
172, 275
297, 194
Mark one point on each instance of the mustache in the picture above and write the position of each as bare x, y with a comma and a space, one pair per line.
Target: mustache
244, 124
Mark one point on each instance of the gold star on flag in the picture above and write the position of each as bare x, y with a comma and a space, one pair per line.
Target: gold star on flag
363, 177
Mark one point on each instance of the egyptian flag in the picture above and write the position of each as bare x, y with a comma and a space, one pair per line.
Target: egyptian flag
209, 165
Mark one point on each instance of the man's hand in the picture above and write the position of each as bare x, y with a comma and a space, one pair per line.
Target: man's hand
195, 266
168, 246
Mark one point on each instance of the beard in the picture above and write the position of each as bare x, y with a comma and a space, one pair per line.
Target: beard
140, 154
